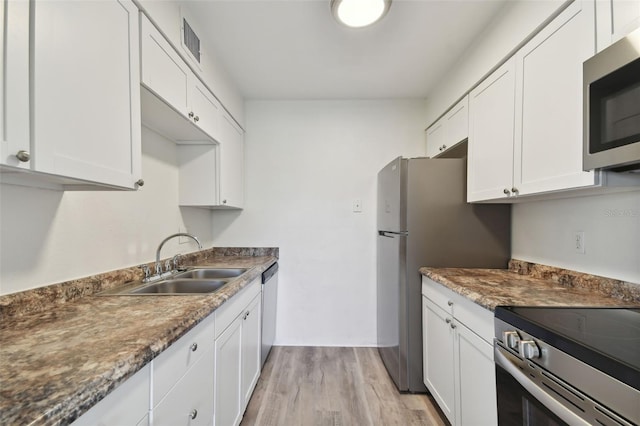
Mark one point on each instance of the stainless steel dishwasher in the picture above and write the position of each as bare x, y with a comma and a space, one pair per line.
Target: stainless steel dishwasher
269, 303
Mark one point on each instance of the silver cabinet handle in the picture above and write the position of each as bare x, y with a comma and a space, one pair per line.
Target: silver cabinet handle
506, 191
191, 114
193, 414
450, 302
515, 190
194, 347
224, 201
196, 118
23, 156
140, 182
448, 320
246, 314
444, 147
452, 325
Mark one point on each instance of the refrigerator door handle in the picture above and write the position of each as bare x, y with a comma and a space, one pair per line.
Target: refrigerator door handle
390, 234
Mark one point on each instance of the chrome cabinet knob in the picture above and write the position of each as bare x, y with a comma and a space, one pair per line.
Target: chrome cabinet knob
194, 347
452, 325
191, 114
193, 414
140, 182
444, 147
514, 190
224, 201
246, 314
23, 156
196, 118
529, 349
506, 191
450, 302
448, 320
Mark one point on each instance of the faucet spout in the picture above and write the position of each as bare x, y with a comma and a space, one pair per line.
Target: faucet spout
179, 234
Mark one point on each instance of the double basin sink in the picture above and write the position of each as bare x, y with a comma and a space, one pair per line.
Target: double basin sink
192, 281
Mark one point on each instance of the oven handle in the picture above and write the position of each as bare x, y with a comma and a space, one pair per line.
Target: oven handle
537, 392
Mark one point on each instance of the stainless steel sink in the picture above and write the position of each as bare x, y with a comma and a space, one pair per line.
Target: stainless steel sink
180, 286
192, 281
201, 273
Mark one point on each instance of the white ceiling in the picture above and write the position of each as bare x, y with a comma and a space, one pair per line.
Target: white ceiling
293, 49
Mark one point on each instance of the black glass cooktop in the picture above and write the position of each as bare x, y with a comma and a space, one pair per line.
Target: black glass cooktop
605, 338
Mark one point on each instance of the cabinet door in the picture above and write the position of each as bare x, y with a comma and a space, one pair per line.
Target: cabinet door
491, 127
435, 138
190, 401
477, 380
615, 19
251, 346
457, 123
227, 377
85, 90
231, 164
438, 363
14, 83
206, 108
548, 141
163, 71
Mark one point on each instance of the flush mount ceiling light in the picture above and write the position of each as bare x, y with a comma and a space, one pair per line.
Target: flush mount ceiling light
359, 13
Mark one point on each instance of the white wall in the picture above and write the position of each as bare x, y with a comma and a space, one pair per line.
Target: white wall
543, 232
306, 162
51, 236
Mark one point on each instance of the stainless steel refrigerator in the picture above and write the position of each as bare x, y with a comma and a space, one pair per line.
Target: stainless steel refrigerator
424, 220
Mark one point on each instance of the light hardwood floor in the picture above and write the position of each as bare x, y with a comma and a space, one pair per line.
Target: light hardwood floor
320, 386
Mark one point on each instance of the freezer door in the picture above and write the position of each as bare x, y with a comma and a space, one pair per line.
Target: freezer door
391, 255
391, 196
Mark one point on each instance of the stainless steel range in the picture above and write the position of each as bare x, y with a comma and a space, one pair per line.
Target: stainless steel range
575, 366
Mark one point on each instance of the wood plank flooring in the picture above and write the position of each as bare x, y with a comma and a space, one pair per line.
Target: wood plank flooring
326, 386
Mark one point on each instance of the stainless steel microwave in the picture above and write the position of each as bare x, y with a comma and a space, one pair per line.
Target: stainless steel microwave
611, 99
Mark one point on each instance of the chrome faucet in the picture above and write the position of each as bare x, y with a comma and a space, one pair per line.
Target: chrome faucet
179, 234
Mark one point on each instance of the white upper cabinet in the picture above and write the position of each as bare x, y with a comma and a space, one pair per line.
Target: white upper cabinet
175, 88
526, 118
491, 127
78, 118
231, 164
615, 19
548, 138
449, 130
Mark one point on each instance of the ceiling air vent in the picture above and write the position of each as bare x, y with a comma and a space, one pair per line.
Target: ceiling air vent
190, 40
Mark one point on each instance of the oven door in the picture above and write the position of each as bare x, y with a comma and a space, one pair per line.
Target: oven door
523, 402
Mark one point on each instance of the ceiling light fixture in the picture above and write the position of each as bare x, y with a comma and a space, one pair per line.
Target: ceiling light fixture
359, 13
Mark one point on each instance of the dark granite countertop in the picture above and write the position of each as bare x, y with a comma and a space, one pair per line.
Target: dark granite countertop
60, 356
527, 284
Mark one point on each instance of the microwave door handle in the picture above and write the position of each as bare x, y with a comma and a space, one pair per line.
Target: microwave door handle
537, 392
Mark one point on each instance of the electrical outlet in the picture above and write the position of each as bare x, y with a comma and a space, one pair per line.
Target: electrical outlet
357, 205
578, 242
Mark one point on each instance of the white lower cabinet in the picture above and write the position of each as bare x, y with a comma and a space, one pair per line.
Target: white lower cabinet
190, 401
458, 356
128, 404
182, 391
237, 354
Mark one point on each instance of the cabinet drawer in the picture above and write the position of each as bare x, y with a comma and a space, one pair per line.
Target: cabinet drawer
226, 313
190, 401
174, 362
439, 295
474, 316
128, 404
